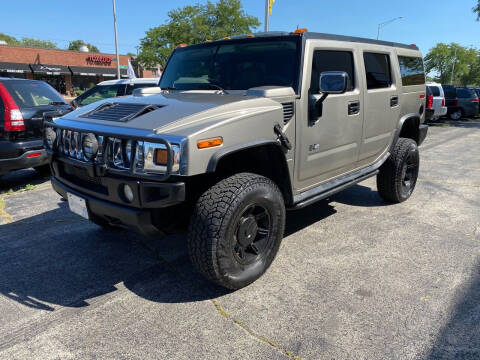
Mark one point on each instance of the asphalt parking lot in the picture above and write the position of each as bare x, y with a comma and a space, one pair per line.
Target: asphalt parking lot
356, 278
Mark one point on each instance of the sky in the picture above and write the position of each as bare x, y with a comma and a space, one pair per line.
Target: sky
424, 23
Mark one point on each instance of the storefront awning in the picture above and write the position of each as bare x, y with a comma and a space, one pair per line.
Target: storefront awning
50, 69
92, 71
14, 67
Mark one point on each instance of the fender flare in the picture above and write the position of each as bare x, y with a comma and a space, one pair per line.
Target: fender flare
400, 124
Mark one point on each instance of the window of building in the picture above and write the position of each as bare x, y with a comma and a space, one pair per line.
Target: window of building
326, 60
378, 71
412, 70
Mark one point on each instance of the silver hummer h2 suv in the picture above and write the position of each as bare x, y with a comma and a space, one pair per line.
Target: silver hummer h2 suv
238, 131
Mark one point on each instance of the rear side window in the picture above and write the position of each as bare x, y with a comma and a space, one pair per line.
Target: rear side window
377, 69
435, 90
28, 94
465, 93
326, 60
412, 70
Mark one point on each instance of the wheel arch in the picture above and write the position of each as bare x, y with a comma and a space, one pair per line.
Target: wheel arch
262, 157
408, 127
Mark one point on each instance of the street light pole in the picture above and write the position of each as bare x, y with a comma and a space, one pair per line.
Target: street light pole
266, 15
116, 38
386, 23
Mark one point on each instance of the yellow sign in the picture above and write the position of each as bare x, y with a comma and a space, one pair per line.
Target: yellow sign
270, 5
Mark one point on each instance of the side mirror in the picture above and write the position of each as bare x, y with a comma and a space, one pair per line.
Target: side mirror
74, 103
334, 82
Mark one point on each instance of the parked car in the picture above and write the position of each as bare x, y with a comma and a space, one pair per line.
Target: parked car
438, 101
236, 136
22, 106
461, 101
477, 91
112, 88
429, 106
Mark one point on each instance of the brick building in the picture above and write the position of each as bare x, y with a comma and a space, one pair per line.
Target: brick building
65, 70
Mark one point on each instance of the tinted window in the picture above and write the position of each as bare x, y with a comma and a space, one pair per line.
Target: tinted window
234, 65
377, 68
100, 92
435, 90
30, 94
412, 71
131, 87
449, 91
466, 93
325, 60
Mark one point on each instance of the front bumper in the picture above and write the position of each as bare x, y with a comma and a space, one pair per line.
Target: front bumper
105, 199
30, 158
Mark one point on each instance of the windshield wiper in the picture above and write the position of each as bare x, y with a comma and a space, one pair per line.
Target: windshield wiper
168, 88
218, 87
57, 103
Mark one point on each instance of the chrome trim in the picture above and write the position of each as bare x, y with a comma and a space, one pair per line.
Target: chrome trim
149, 152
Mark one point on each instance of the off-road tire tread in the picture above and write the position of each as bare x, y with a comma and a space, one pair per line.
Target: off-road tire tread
390, 172
207, 221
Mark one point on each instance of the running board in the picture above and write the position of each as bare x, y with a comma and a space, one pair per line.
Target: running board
325, 190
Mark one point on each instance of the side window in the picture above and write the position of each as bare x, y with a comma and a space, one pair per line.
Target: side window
412, 71
378, 71
326, 60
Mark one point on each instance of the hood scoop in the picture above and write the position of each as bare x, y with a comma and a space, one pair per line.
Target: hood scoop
120, 112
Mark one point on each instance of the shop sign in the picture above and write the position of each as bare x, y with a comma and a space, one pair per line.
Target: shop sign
99, 59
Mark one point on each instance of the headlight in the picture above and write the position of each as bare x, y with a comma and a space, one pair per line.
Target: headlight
50, 137
90, 146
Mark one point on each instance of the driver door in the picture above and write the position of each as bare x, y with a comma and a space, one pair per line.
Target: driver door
328, 138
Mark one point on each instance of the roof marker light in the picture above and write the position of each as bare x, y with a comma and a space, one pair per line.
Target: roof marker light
181, 45
250, 36
300, 31
226, 38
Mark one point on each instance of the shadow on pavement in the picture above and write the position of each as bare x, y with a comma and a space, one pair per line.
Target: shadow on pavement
359, 195
16, 180
57, 258
460, 338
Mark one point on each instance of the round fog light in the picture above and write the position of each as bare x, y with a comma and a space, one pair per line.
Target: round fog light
128, 192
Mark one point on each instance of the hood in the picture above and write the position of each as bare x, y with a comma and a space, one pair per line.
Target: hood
176, 111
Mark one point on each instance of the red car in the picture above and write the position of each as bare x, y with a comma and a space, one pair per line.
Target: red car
22, 106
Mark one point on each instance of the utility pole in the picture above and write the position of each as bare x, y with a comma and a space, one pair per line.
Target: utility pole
266, 15
453, 65
116, 38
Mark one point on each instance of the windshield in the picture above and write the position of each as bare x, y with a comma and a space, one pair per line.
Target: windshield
29, 94
100, 92
235, 65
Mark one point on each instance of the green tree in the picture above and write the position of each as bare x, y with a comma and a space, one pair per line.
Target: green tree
44, 44
75, 45
10, 40
476, 10
444, 58
192, 25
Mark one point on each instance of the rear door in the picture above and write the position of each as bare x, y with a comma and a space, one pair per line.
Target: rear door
381, 100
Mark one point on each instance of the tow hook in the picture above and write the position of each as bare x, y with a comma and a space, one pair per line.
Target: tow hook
282, 137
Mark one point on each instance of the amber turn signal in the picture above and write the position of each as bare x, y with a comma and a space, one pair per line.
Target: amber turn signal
208, 143
161, 157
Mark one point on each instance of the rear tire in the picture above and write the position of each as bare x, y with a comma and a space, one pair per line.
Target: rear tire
236, 230
456, 115
398, 175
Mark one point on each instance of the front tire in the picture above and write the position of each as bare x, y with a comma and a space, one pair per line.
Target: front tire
236, 230
398, 175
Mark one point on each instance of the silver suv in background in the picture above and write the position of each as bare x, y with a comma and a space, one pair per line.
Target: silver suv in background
234, 136
438, 105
